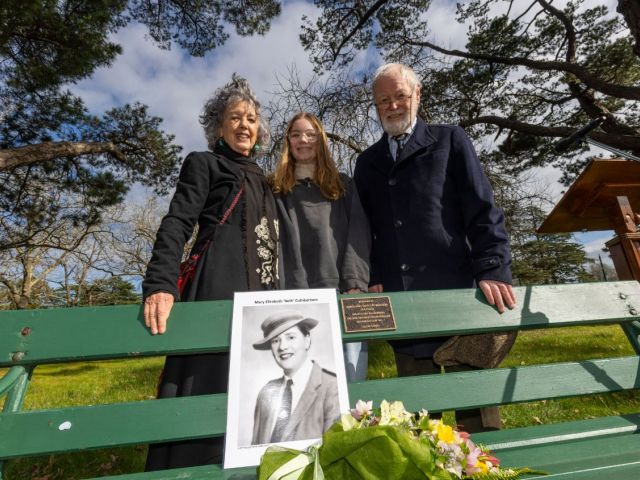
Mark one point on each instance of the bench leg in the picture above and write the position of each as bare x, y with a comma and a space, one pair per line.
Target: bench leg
15, 399
632, 330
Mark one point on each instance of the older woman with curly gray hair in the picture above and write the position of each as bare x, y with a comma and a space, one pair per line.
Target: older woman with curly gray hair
226, 194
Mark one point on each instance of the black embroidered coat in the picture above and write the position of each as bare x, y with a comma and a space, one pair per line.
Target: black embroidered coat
207, 185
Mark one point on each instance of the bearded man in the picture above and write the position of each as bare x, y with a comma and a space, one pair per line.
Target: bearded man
433, 218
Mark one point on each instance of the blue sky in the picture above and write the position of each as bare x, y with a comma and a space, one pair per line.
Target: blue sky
175, 85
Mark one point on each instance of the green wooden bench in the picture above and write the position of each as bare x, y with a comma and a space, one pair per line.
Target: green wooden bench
587, 449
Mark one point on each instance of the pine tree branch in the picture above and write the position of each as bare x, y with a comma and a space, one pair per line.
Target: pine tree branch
625, 142
42, 152
615, 90
364, 19
630, 10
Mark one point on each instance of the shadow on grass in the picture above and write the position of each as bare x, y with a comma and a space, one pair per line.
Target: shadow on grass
144, 372
55, 371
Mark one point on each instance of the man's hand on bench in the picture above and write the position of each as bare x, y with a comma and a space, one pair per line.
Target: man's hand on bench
156, 311
498, 294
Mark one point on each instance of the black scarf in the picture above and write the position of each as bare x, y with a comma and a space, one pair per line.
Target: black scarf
259, 222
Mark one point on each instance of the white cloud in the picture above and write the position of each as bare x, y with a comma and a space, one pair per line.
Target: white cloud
444, 28
176, 85
594, 242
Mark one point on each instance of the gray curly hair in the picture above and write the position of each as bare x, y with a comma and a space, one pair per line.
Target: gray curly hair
236, 90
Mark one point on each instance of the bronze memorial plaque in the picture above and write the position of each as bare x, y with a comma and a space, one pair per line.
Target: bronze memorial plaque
367, 314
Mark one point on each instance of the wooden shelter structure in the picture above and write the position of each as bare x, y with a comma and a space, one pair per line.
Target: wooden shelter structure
606, 196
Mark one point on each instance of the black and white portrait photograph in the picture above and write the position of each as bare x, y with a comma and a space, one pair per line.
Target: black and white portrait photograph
287, 380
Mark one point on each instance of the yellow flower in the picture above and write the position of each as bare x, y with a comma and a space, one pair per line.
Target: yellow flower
445, 433
482, 466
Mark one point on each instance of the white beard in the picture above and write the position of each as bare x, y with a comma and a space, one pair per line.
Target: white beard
398, 126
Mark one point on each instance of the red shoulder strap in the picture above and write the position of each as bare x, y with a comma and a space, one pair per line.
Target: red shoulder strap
234, 202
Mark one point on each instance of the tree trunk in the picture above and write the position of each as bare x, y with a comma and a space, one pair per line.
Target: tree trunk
630, 10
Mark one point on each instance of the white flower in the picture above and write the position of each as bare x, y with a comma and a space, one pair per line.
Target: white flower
362, 409
393, 413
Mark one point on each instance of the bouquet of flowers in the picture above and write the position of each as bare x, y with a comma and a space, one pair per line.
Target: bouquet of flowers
389, 443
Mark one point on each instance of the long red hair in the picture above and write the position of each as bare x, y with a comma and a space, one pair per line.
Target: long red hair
326, 174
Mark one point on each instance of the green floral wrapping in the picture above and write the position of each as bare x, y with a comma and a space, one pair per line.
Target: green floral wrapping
365, 454
388, 443
280, 463
374, 453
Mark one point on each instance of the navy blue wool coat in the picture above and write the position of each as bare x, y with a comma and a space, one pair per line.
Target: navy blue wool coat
433, 219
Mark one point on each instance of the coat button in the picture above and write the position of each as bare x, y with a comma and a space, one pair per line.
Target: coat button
397, 223
392, 181
404, 267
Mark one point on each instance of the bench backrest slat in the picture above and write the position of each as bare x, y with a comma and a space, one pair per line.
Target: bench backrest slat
181, 418
80, 428
60, 335
505, 385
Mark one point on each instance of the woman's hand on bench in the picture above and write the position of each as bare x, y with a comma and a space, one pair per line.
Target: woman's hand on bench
156, 311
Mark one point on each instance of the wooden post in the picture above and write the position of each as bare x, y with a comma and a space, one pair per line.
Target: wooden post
625, 246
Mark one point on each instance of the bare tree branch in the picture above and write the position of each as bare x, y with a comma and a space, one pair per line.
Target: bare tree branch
349, 142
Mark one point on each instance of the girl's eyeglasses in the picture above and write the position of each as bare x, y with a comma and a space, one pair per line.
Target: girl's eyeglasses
310, 135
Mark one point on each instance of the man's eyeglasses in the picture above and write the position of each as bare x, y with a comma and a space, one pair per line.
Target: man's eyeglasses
398, 99
310, 135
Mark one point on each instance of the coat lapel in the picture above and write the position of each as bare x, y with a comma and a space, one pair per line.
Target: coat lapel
419, 140
381, 158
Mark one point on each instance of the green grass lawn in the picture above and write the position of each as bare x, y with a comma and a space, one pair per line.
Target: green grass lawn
87, 383
119, 381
